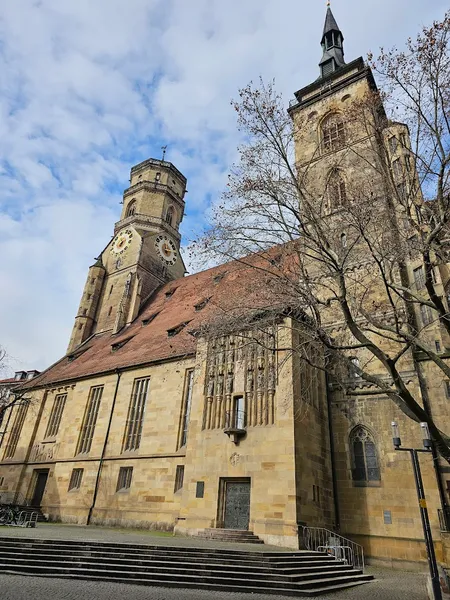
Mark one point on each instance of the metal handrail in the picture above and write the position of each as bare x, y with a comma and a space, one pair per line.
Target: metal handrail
320, 539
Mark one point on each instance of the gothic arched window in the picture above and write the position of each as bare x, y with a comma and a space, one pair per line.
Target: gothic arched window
364, 455
169, 215
333, 132
337, 193
131, 208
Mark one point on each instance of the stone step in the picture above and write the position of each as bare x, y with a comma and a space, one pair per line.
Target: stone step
204, 570
261, 559
230, 535
180, 579
62, 546
291, 573
189, 562
208, 586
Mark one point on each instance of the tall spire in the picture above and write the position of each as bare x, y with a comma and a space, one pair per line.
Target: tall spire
333, 46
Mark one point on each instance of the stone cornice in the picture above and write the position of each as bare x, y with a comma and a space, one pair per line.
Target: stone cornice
153, 186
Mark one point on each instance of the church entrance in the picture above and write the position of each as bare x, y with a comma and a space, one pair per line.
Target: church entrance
39, 488
235, 508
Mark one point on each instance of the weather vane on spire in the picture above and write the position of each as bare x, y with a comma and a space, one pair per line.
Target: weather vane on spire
328, 3
164, 148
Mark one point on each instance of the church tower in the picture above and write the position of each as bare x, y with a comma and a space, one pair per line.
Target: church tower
143, 254
344, 143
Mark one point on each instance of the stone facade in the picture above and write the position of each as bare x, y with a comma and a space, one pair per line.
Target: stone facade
89, 422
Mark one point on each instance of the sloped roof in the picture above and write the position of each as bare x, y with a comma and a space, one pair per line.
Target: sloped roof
166, 327
330, 24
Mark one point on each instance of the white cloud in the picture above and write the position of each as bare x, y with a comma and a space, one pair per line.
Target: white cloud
91, 88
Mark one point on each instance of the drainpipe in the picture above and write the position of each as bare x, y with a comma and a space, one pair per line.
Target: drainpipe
102, 456
337, 516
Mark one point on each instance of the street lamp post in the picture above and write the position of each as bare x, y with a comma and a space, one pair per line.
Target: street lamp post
414, 452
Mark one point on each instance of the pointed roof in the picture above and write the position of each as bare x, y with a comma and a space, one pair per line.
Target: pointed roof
330, 24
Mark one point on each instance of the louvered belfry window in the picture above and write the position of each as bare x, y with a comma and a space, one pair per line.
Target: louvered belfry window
89, 421
55, 415
16, 430
135, 418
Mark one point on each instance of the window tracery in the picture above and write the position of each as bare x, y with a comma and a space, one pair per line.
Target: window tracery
365, 465
333, 133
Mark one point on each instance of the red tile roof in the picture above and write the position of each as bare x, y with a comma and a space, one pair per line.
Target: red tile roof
180, 307
10, 380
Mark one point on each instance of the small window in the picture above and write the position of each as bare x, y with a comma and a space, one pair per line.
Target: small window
124, 479
426, 314
109, 311
333, 133
337, 194
364, 456
393, 143
2, 481
355, 367
176, 330
179, 477
237, 418
131, 208
120, 344
344, 240
437, 344
408, 162
170, 293
149, 319
419, 278
75, 479
397, 168
200, 489
201, 305
169, 215
111, 289
447, 389
157, 176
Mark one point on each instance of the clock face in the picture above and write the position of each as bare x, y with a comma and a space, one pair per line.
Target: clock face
121, 242
166, 249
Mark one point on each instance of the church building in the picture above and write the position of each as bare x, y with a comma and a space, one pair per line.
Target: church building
149, 422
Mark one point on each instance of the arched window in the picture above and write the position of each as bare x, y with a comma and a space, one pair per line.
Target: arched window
344, 240
169, 215
333, 133
337, 193
131, 208
354, 367
364, 455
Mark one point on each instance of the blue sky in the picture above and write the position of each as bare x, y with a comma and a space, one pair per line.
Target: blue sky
91, 87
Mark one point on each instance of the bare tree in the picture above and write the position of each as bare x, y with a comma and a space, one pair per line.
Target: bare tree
360, 265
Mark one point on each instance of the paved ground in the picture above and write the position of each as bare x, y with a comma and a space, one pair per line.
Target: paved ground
389, 585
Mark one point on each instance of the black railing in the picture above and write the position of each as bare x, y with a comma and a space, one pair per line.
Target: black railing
444, 518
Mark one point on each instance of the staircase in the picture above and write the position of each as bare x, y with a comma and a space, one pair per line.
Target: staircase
303, 573
230, 535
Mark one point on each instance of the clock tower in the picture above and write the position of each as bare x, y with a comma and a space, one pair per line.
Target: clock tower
143, 254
